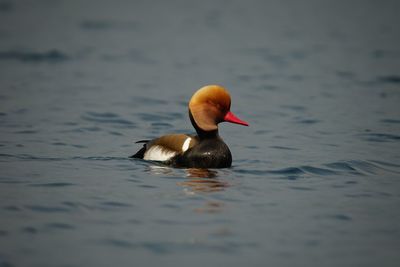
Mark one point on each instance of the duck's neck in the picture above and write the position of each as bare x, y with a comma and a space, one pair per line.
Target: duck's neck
201, 133
207, 135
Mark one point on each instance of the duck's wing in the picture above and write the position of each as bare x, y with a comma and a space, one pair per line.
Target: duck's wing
166, 147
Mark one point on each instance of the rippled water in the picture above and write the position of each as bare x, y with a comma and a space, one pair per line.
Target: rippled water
315, 178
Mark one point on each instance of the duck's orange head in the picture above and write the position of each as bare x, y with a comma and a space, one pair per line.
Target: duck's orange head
211, 105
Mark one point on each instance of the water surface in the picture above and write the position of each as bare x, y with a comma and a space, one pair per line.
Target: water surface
315, 178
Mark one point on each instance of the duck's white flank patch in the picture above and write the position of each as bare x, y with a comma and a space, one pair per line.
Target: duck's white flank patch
186, 144
158, 153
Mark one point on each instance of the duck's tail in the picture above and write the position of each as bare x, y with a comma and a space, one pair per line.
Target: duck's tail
140, 153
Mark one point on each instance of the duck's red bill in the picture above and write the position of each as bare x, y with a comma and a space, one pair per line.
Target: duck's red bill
230, 117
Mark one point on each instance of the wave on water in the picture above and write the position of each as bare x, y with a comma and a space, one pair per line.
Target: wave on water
4, 157
380, 137
350, 167
99, 25
389, 79
356, 167
50, 56
160, 117
228, 247
390, 121
107, 118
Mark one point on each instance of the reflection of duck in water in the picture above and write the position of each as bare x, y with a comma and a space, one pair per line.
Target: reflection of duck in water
198, 180
203, 180
209, 106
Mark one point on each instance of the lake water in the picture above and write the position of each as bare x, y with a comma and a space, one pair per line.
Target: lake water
315, 179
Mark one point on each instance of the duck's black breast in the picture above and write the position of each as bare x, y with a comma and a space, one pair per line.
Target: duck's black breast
208, 153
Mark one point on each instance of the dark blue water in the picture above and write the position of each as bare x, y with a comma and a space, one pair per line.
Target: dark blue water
315, 178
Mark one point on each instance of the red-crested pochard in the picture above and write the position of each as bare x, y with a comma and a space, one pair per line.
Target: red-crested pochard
209, 106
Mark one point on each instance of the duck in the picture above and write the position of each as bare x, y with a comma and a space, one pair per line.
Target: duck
209, 106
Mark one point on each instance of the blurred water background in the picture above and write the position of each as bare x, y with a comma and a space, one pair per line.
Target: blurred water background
315, 178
